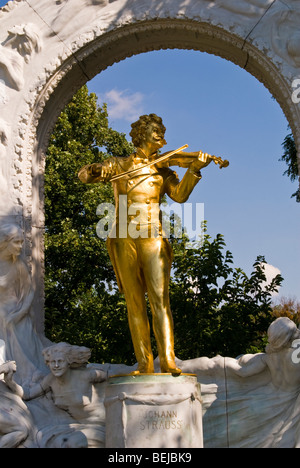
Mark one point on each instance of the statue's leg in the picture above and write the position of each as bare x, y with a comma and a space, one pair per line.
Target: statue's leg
156, 259
12, 440
126, 262
12, 431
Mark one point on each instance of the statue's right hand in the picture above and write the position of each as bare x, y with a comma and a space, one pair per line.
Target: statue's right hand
9, 367
96, 169
87, 173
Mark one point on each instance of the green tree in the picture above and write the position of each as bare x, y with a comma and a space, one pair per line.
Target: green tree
290, 158
287, 307
217, 308
82, 304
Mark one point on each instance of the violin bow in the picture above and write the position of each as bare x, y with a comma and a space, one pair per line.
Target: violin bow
151, 163
165, 157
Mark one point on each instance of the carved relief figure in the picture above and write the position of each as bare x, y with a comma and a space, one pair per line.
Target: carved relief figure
15, 419
3, 162
285, 35
70, 385
262, 392
22, 42
278, 358
16, 295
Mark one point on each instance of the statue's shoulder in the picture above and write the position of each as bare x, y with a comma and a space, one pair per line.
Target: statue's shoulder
126, 158
124, 162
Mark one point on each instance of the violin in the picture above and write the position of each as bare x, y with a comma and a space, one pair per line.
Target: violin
175, 158
185, 159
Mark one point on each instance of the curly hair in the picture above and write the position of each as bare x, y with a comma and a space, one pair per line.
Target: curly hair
139, 128
76, 356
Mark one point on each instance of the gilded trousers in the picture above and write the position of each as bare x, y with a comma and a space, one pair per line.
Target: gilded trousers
144, 265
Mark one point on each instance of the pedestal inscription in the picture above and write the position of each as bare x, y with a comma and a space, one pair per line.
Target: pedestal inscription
153, 411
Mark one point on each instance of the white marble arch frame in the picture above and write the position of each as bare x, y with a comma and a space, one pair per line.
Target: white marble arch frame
73, 47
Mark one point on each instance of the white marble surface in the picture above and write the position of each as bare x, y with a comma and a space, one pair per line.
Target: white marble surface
155, 410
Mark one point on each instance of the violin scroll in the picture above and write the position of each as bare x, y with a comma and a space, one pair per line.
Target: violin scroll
220, 161
215, 159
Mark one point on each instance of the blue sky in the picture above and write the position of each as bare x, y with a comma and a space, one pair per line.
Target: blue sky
212, 105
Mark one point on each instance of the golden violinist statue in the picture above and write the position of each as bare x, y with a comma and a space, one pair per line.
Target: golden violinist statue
143, 263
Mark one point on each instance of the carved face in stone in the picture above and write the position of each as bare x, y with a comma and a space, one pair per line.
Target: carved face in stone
25, 39
58, 364
15, 246
11, 241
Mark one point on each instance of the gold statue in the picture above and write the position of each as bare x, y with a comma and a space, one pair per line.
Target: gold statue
143, 264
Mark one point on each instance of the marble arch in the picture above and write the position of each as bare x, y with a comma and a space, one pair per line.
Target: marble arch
49, 48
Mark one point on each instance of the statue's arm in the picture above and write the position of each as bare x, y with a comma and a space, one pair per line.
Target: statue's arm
25, 393
8, 369
14, 387
98, 172
97, 376
38, 389
202, 364
179, 191
247, 365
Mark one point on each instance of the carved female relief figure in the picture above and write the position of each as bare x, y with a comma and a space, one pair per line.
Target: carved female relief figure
3, 162
286, 36
23, 345
15, 420
22, 42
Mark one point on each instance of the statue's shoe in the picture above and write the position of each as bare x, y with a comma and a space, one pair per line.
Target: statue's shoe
172, 369
142, 371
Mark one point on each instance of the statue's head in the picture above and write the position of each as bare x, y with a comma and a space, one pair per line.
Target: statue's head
11, 240
142, 128
26, 39
62, 356
281, 333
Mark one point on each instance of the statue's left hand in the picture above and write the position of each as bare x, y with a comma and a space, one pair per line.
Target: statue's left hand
204, 159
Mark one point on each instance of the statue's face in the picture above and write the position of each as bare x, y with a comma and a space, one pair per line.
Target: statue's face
15, 246
154, 136
58, 364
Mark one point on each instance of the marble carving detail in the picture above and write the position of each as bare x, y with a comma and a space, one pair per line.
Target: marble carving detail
21, 43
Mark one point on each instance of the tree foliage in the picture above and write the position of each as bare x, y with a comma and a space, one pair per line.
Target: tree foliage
216, 307
291, 159
287, 307
80, 307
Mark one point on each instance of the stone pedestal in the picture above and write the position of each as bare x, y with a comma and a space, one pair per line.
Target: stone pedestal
153, 411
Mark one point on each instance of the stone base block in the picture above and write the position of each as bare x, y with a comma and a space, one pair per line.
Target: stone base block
153, 411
